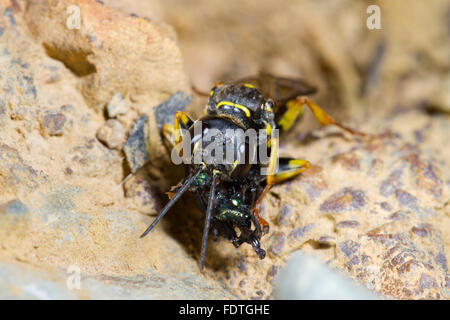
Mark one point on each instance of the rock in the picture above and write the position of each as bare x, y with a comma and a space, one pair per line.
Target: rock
143, 196
165, 112
116, 106
53, 124
382, 222
136, 148
60, 207
374, 210
15, 207
110, 51
16, 175
347, 199
19, 281
112, 133
307, 278
276, 243
441, 98
13, 211
91, 158
285, 215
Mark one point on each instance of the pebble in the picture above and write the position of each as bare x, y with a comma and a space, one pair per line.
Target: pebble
53, 124
136, 147
116, 106
112, 134
165, 112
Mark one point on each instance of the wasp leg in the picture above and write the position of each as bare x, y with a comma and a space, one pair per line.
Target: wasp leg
289, 167
184, 187
232, 236
323, 118
295, 108
198, 91
211, 203
270, 180
286, 116
180, 121
256, 246
252, 237
171, 132
236, 241
204, 94
168, 133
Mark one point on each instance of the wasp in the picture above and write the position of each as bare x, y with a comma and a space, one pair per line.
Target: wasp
230, 193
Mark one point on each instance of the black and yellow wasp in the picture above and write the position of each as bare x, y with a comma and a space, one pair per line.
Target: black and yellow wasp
230, 193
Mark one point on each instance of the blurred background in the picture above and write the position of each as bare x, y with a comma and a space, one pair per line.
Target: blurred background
403, 65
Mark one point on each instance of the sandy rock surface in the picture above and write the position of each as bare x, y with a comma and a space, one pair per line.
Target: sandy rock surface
82, 108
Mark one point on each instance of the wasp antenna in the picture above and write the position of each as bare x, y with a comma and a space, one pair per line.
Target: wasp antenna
169, 205
212, 198
199, 92
121, 183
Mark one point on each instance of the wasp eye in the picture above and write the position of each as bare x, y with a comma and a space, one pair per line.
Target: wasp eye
213, 90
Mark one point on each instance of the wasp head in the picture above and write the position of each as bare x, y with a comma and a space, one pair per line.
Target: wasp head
244, 104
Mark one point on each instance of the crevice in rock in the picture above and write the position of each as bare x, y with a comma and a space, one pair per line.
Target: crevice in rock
317, 245
74, 60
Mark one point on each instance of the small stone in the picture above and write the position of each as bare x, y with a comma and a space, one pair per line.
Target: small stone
165, 112
427, 282
349, 247
299, 233
15, 207
143, 195
272, 273
136, 148
347, 224
385, 206
427, 175
277, 241
406, 199
241, 264
314, 182
326, 241
441, 100
53, 124
3, 110
348, 199
116, 106
388, 186
423, 230
16, 174
307, 277
285, 215
91, 158
112, 134
349, 161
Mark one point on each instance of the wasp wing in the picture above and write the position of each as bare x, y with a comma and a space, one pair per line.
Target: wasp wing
279, 89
